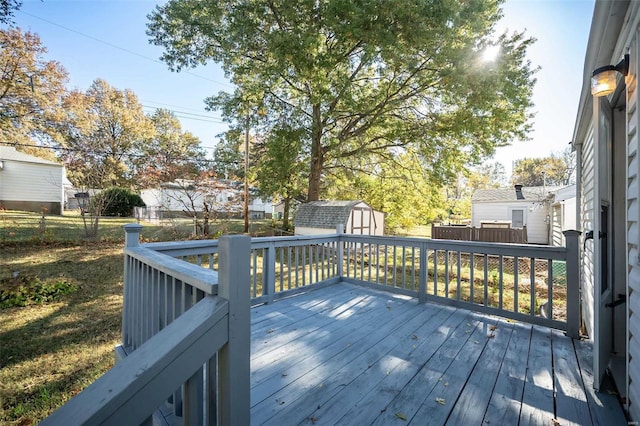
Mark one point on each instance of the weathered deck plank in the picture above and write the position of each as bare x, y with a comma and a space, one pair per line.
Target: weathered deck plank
537, 399
471, 405
506, 399
603, 406
370, 357
571, 400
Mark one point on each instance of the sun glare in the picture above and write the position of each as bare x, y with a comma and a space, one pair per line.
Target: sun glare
490, 53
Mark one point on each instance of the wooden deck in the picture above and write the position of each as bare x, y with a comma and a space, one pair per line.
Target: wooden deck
351, 355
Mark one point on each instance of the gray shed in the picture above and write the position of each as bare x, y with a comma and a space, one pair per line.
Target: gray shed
322, 217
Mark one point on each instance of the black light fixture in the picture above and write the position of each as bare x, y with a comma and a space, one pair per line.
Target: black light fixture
604, 79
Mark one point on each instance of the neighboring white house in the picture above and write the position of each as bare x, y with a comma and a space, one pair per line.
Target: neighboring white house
519, 206
30, 183
322, 217
563, 214
608, 169
223, 196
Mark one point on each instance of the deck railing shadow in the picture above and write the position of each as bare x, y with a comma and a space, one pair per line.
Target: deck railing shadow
180, 296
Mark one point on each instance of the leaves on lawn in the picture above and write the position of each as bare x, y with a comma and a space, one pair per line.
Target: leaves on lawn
401, 416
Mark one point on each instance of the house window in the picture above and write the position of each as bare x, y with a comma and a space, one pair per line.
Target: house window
517, 218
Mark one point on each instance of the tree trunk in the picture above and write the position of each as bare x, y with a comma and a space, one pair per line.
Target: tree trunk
285, 214
317, 156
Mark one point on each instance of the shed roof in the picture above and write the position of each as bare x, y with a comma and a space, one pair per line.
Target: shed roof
531, 194
324, 214
10, 153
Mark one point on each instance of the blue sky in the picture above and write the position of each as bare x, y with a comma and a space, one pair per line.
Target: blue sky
106, 39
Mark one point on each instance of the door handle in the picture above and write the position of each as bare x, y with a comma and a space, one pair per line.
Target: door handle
621, 299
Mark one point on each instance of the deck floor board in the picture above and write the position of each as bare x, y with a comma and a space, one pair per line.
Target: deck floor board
346, 354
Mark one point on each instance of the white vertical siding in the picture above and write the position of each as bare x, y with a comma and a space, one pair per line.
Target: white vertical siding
633, 236
557, 238
587, 203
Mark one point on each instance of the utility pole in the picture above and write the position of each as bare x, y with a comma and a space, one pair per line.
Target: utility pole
246, 177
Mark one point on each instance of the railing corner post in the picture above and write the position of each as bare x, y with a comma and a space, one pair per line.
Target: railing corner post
233, 362
340, 232
573, 282
132, 234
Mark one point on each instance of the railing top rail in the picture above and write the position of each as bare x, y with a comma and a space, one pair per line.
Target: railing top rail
256, 242
180, 245
201, 278
479, 247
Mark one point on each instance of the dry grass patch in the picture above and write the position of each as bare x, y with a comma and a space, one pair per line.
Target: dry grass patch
50, 352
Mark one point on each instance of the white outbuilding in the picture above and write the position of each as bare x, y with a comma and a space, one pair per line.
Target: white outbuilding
30, 183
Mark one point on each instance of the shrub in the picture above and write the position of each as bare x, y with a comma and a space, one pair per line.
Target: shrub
116, 202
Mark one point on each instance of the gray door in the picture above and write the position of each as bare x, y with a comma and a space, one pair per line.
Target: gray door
603, 314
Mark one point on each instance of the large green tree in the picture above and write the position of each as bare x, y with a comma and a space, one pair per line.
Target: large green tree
103, 133
170, 153
364, 78
557, 169
31, 89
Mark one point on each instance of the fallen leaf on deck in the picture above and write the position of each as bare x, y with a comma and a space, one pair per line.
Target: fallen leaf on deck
401, 416
414, 337
446, 383
284, 374
510, 320
388, 372
414, 346
555, 421
493, 327
440, 401
475, 341
491, 336
271, 330
280, 401
610, 392
313, 420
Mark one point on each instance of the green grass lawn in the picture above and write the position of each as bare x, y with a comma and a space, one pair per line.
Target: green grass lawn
50, 352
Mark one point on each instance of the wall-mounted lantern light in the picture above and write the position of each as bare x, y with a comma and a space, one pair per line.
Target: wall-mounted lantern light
603, 79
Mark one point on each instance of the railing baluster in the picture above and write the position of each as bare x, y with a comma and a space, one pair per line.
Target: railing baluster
471, 277
486, 280
501, 289
404, 268
413, 268
395, 270
459, 267
532, 278
550, 289
446, 274
435, 272
516, 270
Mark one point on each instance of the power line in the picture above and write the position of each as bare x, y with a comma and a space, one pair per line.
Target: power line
114, 46
96, 152
185, 113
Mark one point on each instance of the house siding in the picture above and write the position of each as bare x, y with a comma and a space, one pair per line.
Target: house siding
587, 190
32, 185
633, 235
535, 217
